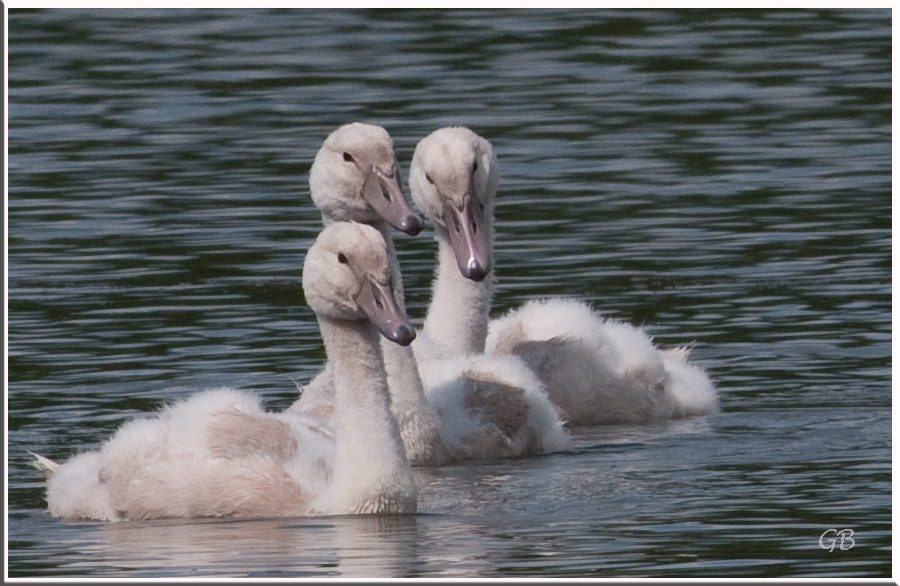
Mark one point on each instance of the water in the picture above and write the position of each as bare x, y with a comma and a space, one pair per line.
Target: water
721, 177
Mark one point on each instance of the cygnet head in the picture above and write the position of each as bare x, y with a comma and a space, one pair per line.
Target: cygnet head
346, 277
453, 181
355, 177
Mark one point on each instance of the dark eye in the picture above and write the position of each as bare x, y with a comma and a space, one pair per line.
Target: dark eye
341, 258
348, 157
474, 166
430, 180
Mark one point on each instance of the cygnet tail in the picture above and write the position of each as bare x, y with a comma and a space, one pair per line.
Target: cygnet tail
45, 465
690, 387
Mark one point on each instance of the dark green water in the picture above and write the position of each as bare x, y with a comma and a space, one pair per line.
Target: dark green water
721, 177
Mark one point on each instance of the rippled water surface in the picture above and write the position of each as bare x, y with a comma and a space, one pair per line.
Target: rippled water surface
722, 178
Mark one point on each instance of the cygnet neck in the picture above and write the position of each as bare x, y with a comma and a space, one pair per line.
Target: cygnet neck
370, 466
460, 308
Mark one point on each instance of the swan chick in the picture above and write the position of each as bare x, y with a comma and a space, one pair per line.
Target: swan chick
595, 371
218, 453
489, 406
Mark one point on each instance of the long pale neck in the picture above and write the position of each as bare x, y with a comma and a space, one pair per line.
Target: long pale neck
460, 308
370, 461
419, 424
399, 363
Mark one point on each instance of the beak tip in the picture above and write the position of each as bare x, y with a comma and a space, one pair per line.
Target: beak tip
412, 225
403, 336
476, 271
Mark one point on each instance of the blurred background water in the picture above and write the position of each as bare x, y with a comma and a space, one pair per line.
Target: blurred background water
722, 178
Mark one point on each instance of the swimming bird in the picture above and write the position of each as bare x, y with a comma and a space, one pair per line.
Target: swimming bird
220, 454
595, 370
468, 408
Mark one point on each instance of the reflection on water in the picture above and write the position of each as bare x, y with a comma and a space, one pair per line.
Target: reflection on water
364, 546
349, 547
721, 177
